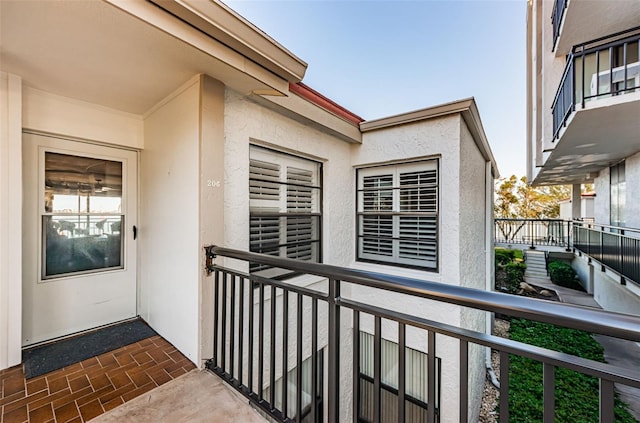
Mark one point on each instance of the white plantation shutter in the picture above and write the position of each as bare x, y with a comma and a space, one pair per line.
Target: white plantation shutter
398, 214
284, 193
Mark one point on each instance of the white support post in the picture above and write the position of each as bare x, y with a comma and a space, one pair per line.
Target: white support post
576, 201
10, 220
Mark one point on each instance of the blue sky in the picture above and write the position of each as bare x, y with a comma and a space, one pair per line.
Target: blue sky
380, 58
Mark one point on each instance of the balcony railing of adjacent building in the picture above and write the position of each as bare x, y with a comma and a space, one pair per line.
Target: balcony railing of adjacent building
616, 248
559, 6
597, 69
532, 232
251, 332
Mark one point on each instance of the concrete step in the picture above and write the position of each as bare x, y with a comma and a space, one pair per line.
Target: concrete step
536, 272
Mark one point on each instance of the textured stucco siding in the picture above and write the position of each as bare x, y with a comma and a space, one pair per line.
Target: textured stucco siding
436, 138
472, 256
247, 123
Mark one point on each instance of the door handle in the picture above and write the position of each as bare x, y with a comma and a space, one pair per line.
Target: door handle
135, 232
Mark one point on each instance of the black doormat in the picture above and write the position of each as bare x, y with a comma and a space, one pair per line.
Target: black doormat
40, 360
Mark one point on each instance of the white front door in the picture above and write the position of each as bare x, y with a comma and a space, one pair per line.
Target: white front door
79, 253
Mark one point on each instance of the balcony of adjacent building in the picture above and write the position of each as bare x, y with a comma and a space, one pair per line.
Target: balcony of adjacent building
595, 110
575, 21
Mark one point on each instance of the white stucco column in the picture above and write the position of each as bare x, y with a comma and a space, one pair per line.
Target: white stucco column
576, 201
10, 219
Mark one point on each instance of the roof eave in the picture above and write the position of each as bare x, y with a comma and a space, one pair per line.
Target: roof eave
466, 108
221, 23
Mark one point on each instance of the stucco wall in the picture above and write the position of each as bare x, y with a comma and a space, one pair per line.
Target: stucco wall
440, 138
247, 123
435, 138
607, 290
169, 211
472, 257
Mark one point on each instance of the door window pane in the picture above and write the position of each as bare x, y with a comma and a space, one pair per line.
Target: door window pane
82, 218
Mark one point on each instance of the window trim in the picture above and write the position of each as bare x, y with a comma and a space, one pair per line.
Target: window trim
380, 168
319, 214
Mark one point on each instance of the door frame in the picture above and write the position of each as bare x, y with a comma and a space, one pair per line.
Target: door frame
132, 215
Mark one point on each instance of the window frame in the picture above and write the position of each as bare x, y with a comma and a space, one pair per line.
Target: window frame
617, 194
284, 160
396, 169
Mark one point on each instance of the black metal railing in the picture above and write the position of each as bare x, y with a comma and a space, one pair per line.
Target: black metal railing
256, 337
532, 232
614, 247
597, 69
559, 6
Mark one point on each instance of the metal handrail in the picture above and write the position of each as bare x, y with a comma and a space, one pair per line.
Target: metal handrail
247, 341
620, 229
559, 6
593, 320
592, 239
564, 100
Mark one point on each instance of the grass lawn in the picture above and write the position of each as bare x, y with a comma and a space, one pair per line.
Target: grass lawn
576, 395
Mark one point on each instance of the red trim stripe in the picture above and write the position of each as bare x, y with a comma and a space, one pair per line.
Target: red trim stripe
315, 97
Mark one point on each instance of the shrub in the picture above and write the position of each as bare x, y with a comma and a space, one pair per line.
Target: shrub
562, 274
514, 275
503, 257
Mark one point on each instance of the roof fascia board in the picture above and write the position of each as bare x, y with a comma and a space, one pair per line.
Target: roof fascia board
160, 19
466, 108
471, 117
326, 103
417, 115
308, 113
224, 25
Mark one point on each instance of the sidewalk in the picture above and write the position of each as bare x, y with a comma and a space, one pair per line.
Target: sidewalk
619, 352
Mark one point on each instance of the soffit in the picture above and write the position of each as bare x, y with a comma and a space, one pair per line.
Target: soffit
595, 137
222, 23
591, 19
98, 53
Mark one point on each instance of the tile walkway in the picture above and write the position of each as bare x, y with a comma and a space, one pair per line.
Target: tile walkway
84, 390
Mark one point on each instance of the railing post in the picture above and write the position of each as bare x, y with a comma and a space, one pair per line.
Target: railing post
333, 384
532, 247
569, 228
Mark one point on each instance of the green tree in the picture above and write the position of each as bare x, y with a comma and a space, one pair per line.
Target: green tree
515, 198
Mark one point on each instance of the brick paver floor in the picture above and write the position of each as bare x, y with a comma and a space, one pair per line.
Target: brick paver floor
84, 390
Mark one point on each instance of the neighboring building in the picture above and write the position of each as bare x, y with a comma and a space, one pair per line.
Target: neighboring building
587, 211
133, 134
583, 118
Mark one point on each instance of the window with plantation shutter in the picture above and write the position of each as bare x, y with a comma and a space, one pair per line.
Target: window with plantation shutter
398, 214
284, 203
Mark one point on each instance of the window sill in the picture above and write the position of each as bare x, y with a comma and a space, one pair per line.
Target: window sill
397, 271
